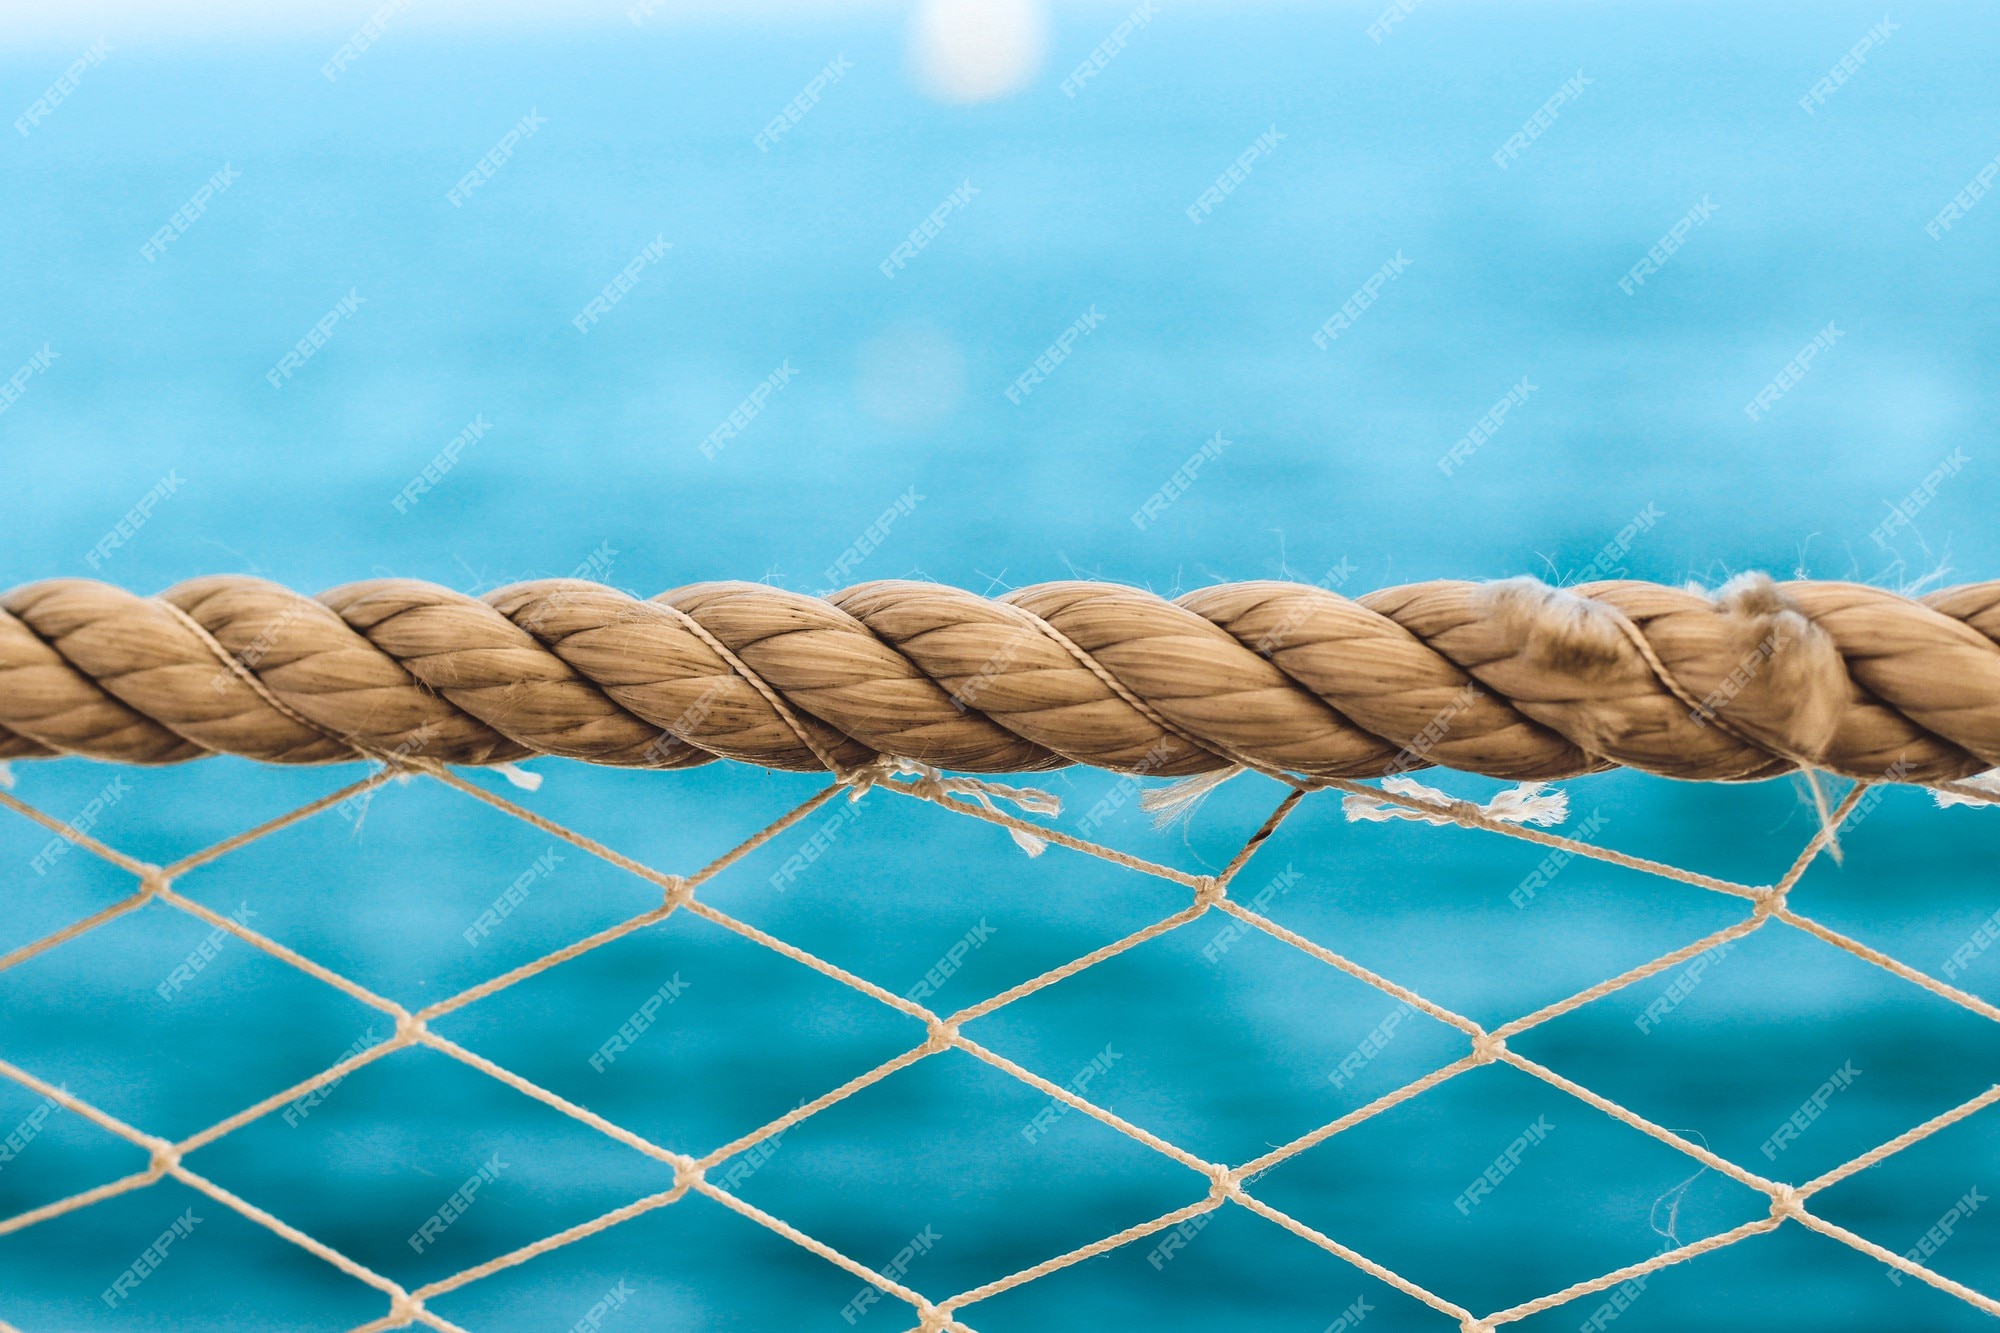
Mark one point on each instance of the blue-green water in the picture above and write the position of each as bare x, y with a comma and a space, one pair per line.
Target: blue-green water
592, 456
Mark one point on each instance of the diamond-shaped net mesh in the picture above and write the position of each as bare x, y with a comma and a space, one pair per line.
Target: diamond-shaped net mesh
1217, 1185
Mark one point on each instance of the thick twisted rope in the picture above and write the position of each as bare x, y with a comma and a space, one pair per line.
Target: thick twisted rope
1511, 679
387, 670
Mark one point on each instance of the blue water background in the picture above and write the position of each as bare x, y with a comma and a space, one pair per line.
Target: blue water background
593, 459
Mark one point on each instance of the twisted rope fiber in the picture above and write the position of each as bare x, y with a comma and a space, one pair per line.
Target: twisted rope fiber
283, 677
1512, 679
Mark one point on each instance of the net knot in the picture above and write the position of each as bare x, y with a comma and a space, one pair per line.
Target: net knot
930, 1319
942, 1036
1785, 1202
1488, 1047
1208, 890
932, 785
405, 1308
679, 893
1223, 1183
409, 1028
688, 1173
1474, 1326
1768, 901
164, 1157
152, 881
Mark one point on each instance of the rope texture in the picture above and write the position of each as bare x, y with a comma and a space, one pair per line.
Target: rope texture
1216, 1184
1512, 679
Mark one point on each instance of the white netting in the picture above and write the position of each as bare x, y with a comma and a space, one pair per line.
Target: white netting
1220, 1184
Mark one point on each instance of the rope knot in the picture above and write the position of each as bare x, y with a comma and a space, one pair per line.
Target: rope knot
931, 784
409, 1028
1463, 811
1768, 901
942, 1036
861, 780
1209, 891
152, 881
1474, 1326
1785, 1203
1488, 1047
679, 894
688, 1173
1223, 1183
165, 1157
930, 1319
405, 1308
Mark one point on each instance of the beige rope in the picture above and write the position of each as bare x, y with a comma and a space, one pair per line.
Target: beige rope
293, 722
1511, 679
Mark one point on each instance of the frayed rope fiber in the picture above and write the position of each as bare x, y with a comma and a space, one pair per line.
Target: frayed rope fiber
1511, 679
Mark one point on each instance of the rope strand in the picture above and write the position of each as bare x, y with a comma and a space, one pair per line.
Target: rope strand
1513, 680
